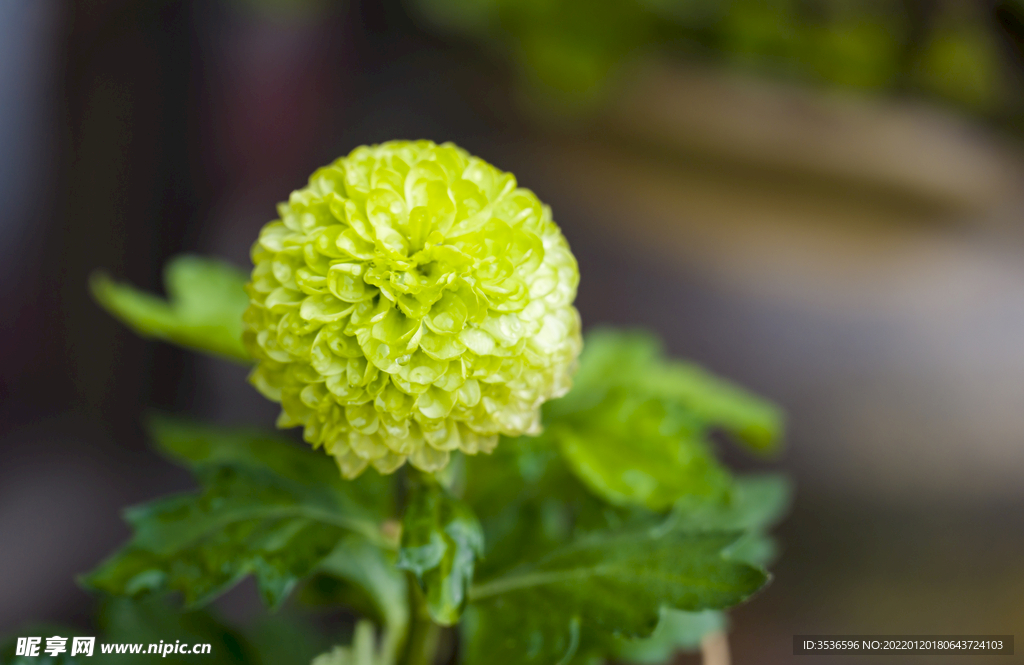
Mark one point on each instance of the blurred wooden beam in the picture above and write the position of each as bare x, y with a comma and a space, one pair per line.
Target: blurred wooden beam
894, 146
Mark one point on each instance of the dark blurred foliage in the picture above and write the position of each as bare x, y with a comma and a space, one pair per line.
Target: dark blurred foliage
567, 52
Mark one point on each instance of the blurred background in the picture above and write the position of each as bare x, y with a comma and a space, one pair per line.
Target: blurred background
820, 199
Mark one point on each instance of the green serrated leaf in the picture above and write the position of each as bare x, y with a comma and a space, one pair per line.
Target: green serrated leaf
366, 566
635, 450
310, 473
362, 651
265, 509
601, 585
529, 503
203, 544
283, 639
677, 630
636, 427
206, 299
441, 541
635, 363
755, 548
756, 502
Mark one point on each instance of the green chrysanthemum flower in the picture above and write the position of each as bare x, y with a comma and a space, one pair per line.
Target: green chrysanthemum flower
411, 301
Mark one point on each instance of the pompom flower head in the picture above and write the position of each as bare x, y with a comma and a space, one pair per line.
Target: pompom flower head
410, 301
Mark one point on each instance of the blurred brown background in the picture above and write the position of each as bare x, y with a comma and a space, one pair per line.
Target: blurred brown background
820, 199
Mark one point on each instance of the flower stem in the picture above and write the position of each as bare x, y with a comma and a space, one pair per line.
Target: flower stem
715, 648
424, 634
